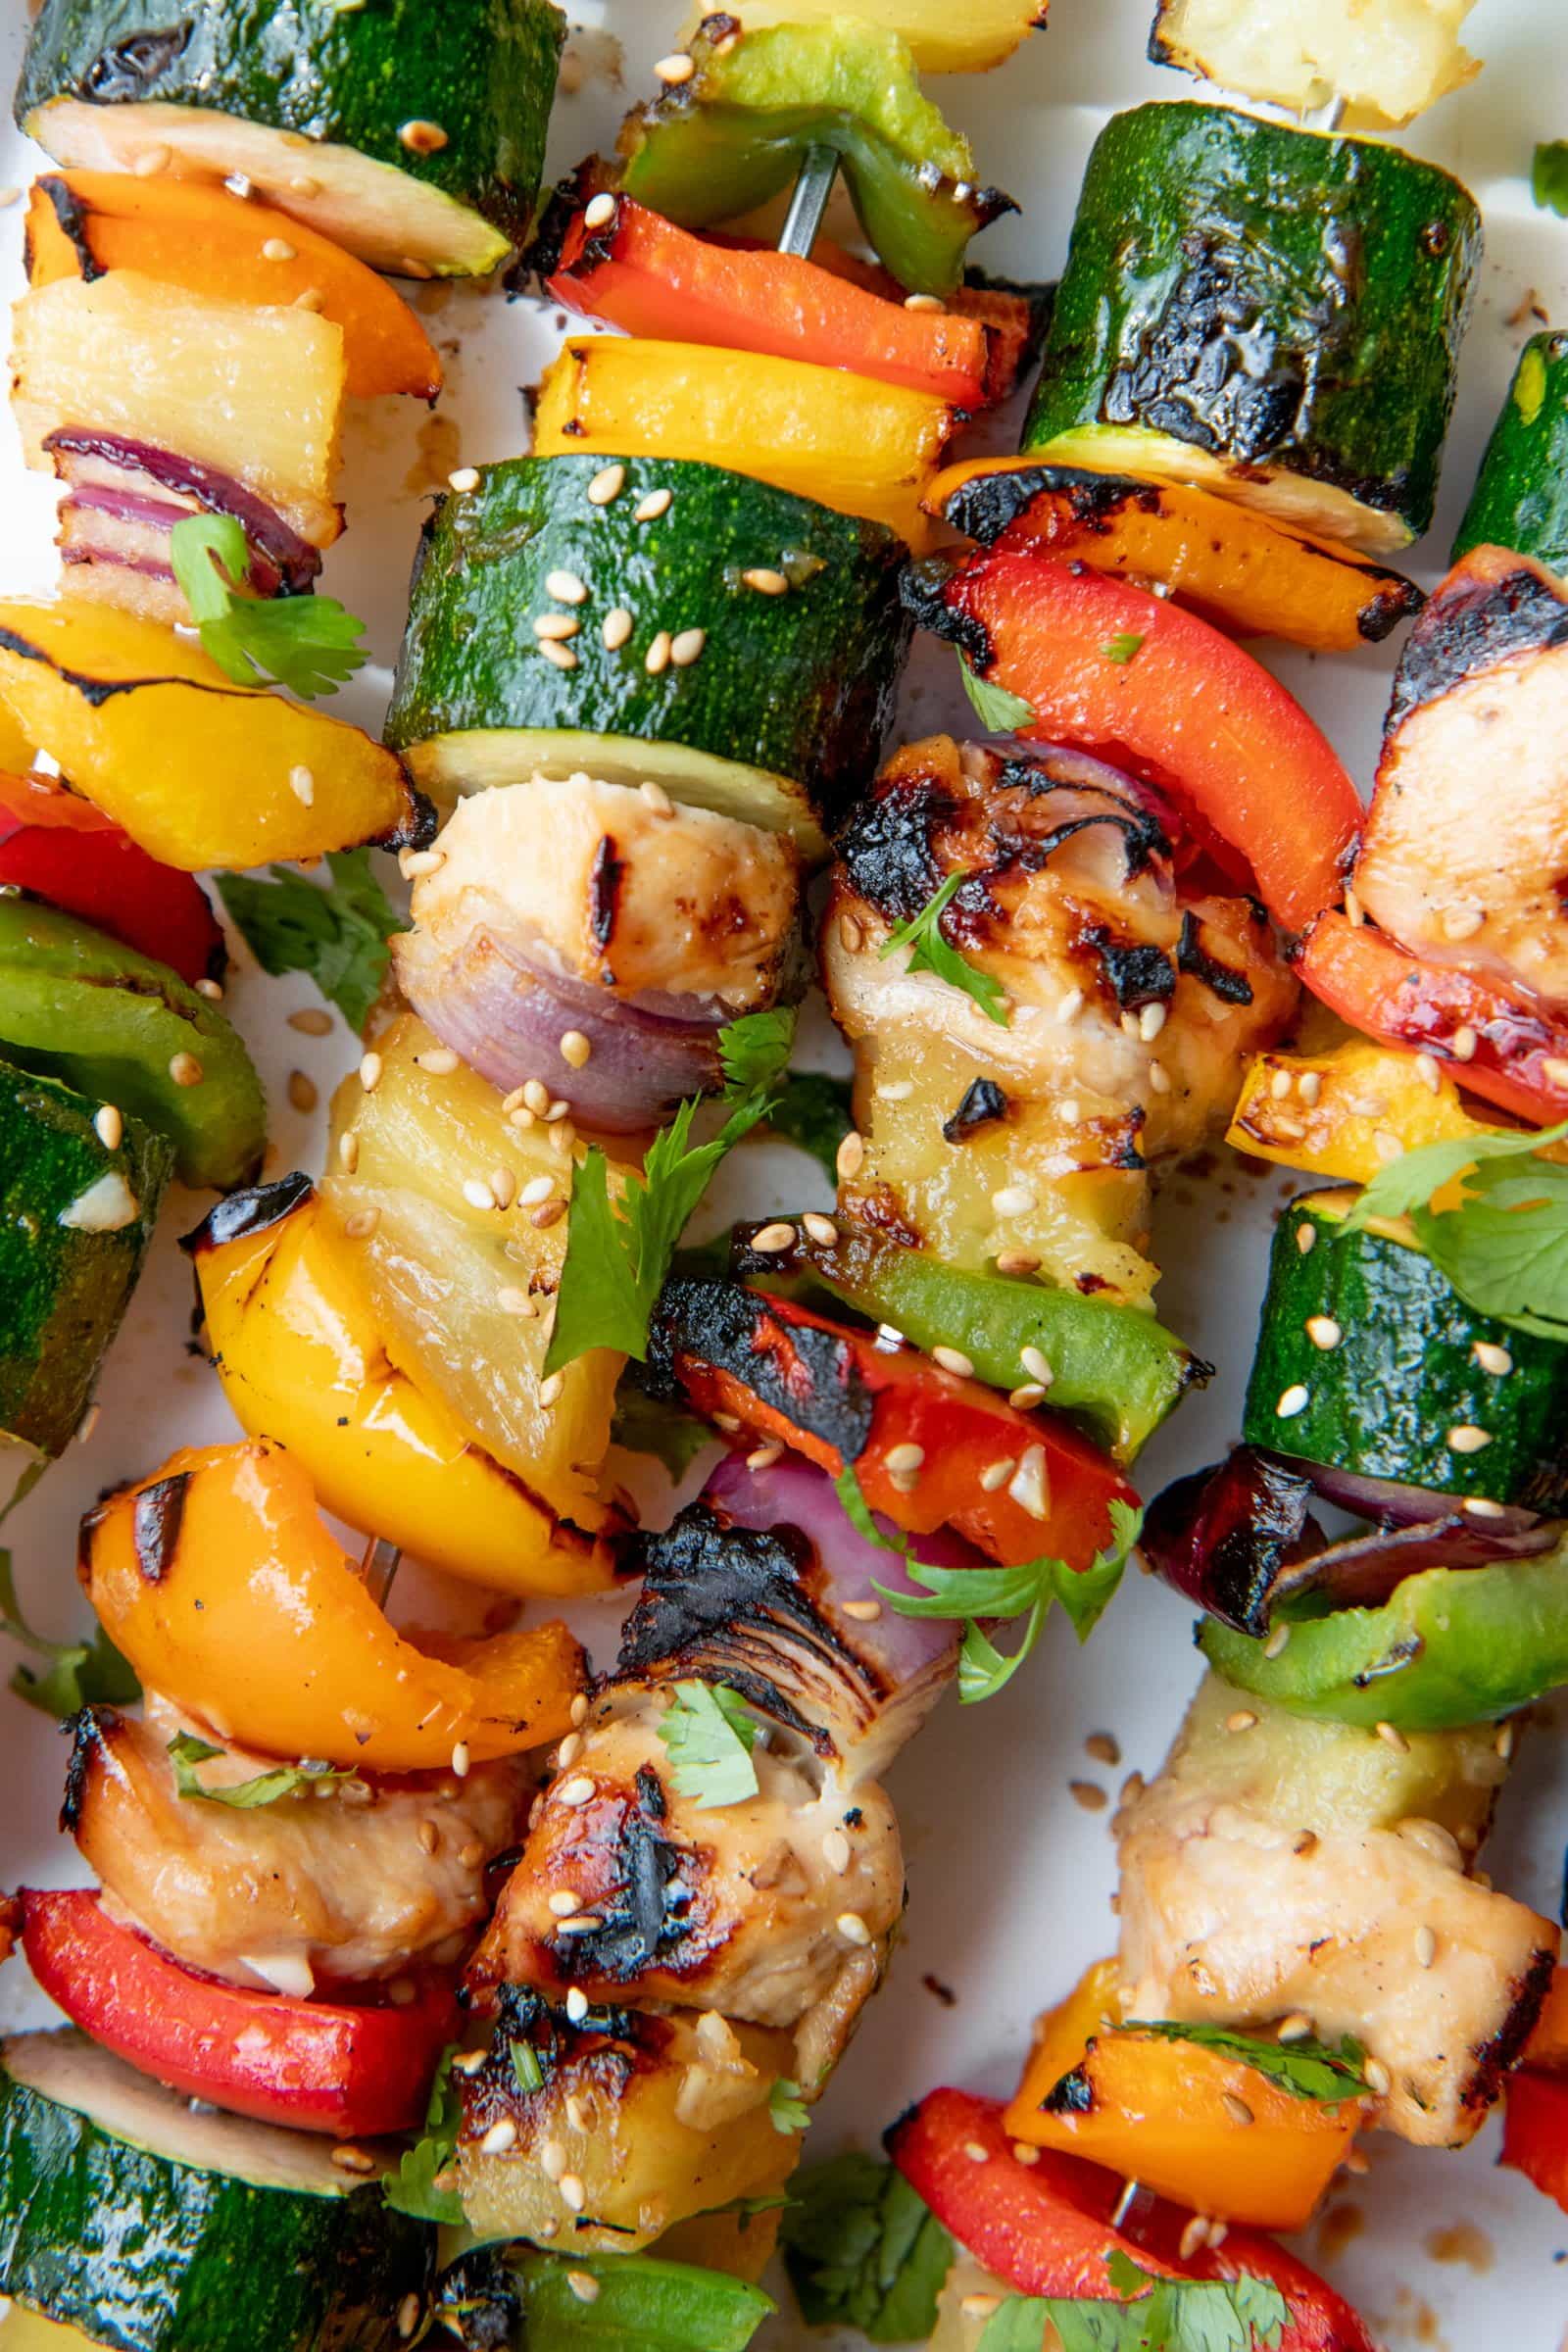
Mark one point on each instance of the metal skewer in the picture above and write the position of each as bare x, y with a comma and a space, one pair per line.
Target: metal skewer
802, 223
379, 1565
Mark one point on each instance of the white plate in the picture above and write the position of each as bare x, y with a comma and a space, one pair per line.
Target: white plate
1008, 1876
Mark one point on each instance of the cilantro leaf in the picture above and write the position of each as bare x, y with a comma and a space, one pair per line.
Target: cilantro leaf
74, 1674
930, 950
812, 1113
308, 643
998, 711
710, 1737
1306, 2069
265, 1789
1548, 177
862, 2251
338, 936
1124, 646
617, 1254
416, 2187
1504, 1246
1246, 2314
786, 2108
1409, 1182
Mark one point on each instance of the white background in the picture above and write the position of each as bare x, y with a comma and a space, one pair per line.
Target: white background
1009, 1875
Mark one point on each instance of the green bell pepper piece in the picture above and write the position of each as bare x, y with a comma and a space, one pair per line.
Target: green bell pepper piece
1450, 1646
1114, 1370
114, 1025
733, 136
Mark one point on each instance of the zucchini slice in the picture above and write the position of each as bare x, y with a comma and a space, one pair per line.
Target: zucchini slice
1238, 297
1386, 64
777, 720
1416, 1386
76, 1218
126, 2214
1520, 500
411, 132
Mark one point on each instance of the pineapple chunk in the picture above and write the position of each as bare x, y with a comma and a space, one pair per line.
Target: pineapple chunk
980, 35
960, 2329
464, 1293
256, 394
1388, 60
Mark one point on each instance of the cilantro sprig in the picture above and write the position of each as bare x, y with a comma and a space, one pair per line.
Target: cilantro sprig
1307, 2070
1027, 1590
245, 1796
931, 952
1246, 2314
73, 1674
617, 1254
998, 711
416, 2186
786, 2110
338, 936
863, 2251
1123, 648
710, 1737
1548, 177
1504, 1246
306, 643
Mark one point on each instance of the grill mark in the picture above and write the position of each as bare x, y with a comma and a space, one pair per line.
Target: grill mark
603, 891
154, 1523
242, 1214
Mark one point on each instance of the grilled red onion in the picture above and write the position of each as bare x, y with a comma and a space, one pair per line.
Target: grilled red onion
1389, 1504
763, 1584
110, 473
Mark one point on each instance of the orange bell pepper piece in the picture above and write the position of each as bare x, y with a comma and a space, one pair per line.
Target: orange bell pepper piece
1171, 2115
1548, 2045
204, 239
219, 1583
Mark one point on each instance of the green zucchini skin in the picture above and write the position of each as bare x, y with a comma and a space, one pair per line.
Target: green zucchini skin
1382, 1401
149, 2254
1259, 292
483, 69
1520, 500
800, 685
63, 1291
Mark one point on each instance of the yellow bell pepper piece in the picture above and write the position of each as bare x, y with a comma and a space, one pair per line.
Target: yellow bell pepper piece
1346, 1111
863, 447
198, 770
218, 1581
303, 1359
1174, 2115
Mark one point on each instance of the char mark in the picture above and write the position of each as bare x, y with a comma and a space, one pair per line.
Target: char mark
155, 1519
1220, 979
807, 1374
1491, 607
984, 1103
241, 1215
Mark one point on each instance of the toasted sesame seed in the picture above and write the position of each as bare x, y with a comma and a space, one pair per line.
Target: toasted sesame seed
350, 2159
277, 249
311, 298
599, 211
430, 1836
537, 1189
686, 645
905, 1457
676, 67
564, 1903
762, 1457
439, 1060
1279, 1085
650, 509
572, 2192
499, 2138
1466, 1438
1492, 1359
555, 627
536, 1095
560, 657
150, 162
658, 799
1237, 2109
821, 1229
578, 1710
110, 1127
1463, 1043
1014, 1200
1378, 2078
954, 1359
657, 658
302, 784
466, 477
1088, 1795
1026, 1395
370, 1071
362, 1224
1194, 2235
851, 934
577, 2006
459, 1759
836, 1851
1279, 1635
765, 580
417, 863
185, 1069
1392, 1737
1029, 1486
1297, 2026
1150, 1021
1427, 1070
1305, 1238
550, 1389
851, 1156
1017, 1261
302, 1090
1293, 1401
726, 1422
1035, 1363
976, 2152
1426, 1945
1462, 923
422, 137
772, 1238
502, 1186
1323, 1331
567, 588
609, 481
1503, 1745
212, 991
409, 2311
618, 627
1309, 1086
584, 2285
348, 1152
1244, 1720
853, 1927
866, 1612
1023, 2153
575, 1791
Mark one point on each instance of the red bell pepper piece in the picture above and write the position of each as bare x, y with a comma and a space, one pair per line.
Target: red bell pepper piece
1535, 2131
1045, 2227
59, 847
355, 2071
1519, 1054
644, 273
961, 1426
1134, 680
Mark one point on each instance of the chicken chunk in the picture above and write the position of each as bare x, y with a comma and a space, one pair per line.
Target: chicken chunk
1292, 1866
312, 1890
748, 1908
1466, 854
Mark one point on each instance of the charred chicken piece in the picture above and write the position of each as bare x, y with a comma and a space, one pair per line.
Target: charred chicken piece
1278, 1865
1131, 1002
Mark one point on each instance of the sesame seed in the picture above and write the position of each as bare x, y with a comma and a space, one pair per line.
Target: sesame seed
978, 2306
499, 2138
1029, 1486
1323, 1331
925, 301
1492, 1359
1279, 1635
765, 581
302, 1092
1466, 1438
362, 1224
302, 784
676, 69
185, 1069
277, 249
1025, 1397
578, 1710
657, 658
1426, 1945
1293, 1401
348, 1152
1378, 2078
1427, 1070
1088, 1795
459, 1759
1194, 2235
564, 1903
851, 1156
1237, 2109
1392, 1737
836, 1851
439, 1060
899, 1092
570, 1750
1035, 1364
537, 1189
417, 863
1305, 1238
478, 1192
1290, 1130
409, 2311
370, 1071
1309, 1086
762, 1457
1353, 909
150, 162
536, 1095
1244, 1720
567, 588
773, 1238
555, 627
954, 1359
572, 2192
1017, 1261
350, 2159
598, 212
1071, 1006
994, 1475
1023, 2153
577, 2006
821, 1229
583, 2285
109, 1126
421, 137
851, 934
1462, 923
575, 1791
303, 186
1297, 2026
853, 1927
976, 2152
430, 1836
658, 799
905, 1457
1279, 1085
609, 481
212, 991
550, 1389
618, 627
560, 657
1503, 1746
686, 645
864, 1612
1463, 1043
1014, 1200
1150, 1021
1554, 1070
311, 298
650, 509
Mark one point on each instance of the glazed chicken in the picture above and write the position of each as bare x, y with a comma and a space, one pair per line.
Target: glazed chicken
1466, 854
1130, 1004
1280, 1865
353, 1884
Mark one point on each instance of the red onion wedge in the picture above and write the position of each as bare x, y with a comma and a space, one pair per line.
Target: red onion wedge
121, 478
764, 1584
